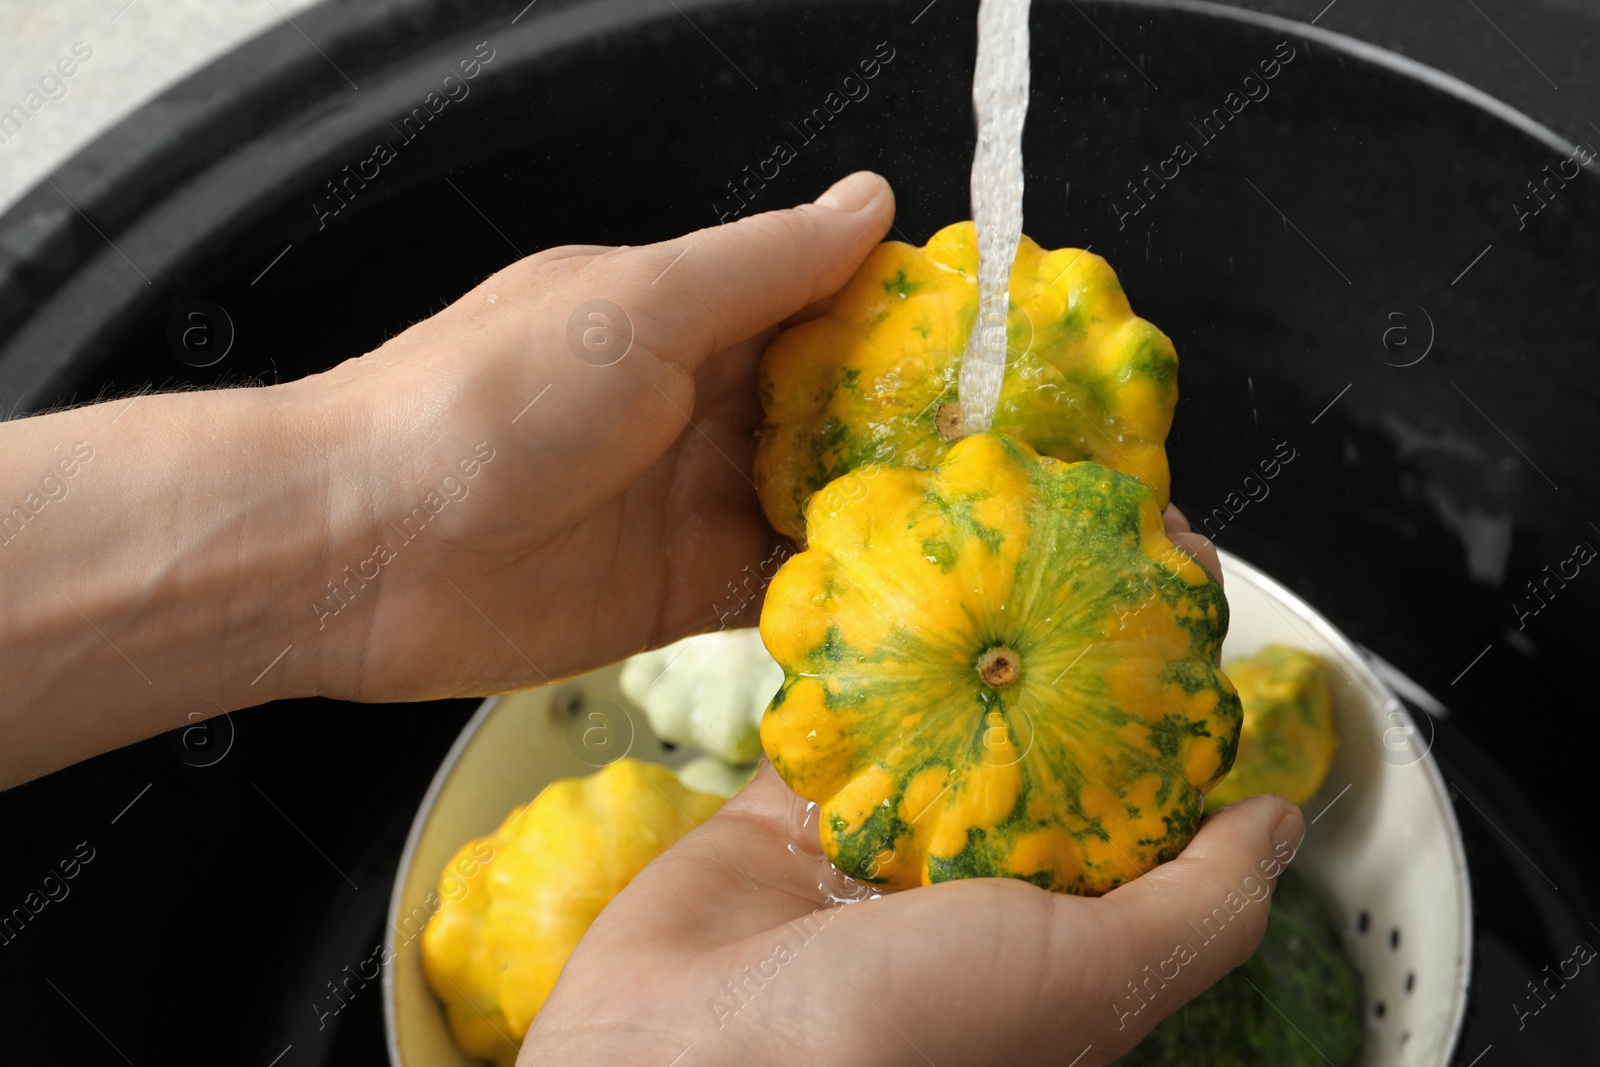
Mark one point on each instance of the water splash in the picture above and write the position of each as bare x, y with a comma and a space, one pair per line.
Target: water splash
1000, 98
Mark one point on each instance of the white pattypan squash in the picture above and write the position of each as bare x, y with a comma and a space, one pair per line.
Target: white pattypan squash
708, 774
707, 691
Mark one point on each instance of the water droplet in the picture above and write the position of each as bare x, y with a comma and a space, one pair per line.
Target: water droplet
849, 891
491, 299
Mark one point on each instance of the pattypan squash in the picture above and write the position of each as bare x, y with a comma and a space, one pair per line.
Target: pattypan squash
708, 774
874, 379
492, 953
998, 666
707, 691
1295, 1003
1288, 740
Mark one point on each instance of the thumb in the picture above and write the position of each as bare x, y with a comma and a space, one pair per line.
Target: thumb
704, 292
1190, 921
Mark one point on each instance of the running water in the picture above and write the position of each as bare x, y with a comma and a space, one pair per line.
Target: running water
1000, 97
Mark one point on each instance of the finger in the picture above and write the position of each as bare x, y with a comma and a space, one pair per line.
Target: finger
760, 849
1190, 921
550, 255
1176, 521
1201, 548
787, 829
814, 310
766, 796
753, 831
706, 291
786, 821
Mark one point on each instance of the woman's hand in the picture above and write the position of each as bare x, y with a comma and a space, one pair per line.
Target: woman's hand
736, 946
548, 475
583, 419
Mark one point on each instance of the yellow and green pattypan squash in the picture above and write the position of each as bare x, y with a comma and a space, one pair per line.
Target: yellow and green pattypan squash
998, 666
707, 691
492, 953
1289, 738
874, 380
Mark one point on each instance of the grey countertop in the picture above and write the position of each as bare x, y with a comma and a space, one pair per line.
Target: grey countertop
134, 50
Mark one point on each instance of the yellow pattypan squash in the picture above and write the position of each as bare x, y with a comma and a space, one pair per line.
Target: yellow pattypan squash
492, 953
1289, 738
874, 380
999, 666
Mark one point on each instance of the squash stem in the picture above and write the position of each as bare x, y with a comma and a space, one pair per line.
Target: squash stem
947, 420
999, 666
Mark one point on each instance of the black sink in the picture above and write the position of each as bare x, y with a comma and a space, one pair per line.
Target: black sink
1350, 266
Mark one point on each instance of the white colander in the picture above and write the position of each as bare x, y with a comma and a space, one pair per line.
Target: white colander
1382, 843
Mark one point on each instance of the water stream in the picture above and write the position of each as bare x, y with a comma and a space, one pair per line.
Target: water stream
1000, 97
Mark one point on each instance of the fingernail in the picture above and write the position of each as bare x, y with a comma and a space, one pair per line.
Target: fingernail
1289, 832
852, 193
